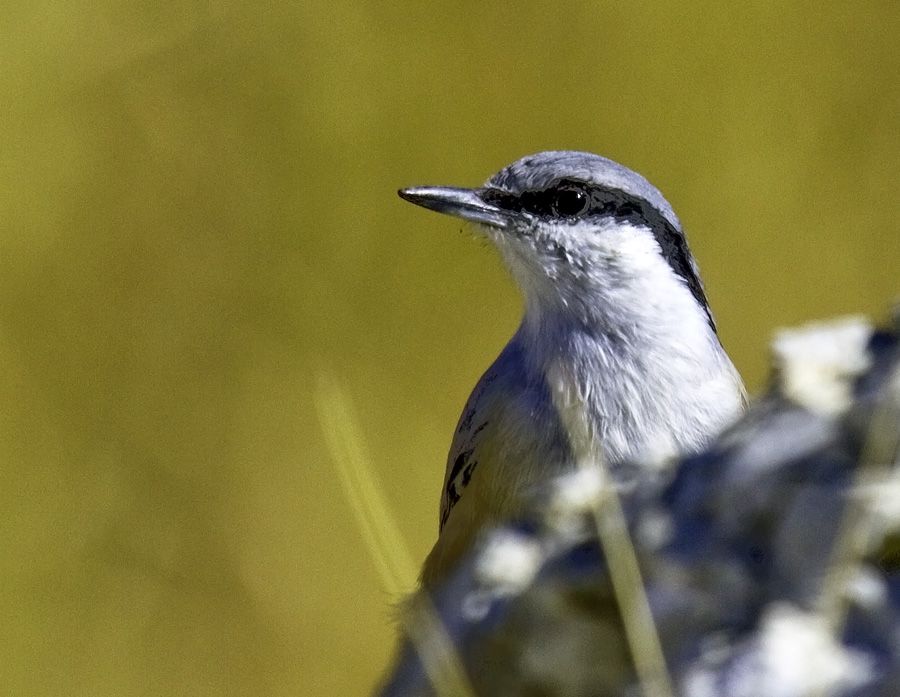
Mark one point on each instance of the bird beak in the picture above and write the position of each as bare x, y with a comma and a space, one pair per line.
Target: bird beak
463, 203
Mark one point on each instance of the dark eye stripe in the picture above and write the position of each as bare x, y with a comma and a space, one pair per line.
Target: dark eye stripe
618, 205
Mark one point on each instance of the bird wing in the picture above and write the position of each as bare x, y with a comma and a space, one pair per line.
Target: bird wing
477, 429
507, 437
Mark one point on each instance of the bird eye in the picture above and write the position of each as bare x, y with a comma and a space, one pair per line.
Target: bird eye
570, 202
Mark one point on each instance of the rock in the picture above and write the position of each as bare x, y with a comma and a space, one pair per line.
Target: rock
770, 562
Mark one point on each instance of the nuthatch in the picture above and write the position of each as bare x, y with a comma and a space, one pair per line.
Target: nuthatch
613, 296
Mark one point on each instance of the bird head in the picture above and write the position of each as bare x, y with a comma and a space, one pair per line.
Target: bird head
581, 234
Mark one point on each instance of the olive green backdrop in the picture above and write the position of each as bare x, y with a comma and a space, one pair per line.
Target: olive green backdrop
198, 216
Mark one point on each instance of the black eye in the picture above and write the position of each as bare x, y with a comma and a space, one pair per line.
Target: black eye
569, 202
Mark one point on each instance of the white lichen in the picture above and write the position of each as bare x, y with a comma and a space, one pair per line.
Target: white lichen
572, 497
793, 655
655, 528
505, 565
817, 363
867, 589
797, 655
579, 491
882, 499
508, 561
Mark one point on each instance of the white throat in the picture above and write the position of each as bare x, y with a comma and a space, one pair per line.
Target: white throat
638, 346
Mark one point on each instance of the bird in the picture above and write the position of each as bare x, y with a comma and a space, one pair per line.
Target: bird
612, 295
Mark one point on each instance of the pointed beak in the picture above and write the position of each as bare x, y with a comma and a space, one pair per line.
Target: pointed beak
463, 203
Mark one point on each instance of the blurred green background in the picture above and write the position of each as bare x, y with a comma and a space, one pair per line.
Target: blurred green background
198, 215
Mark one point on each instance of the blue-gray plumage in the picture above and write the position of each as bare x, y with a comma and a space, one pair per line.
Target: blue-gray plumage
613, 297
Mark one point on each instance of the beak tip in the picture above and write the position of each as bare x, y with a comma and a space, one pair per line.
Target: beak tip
410, 194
